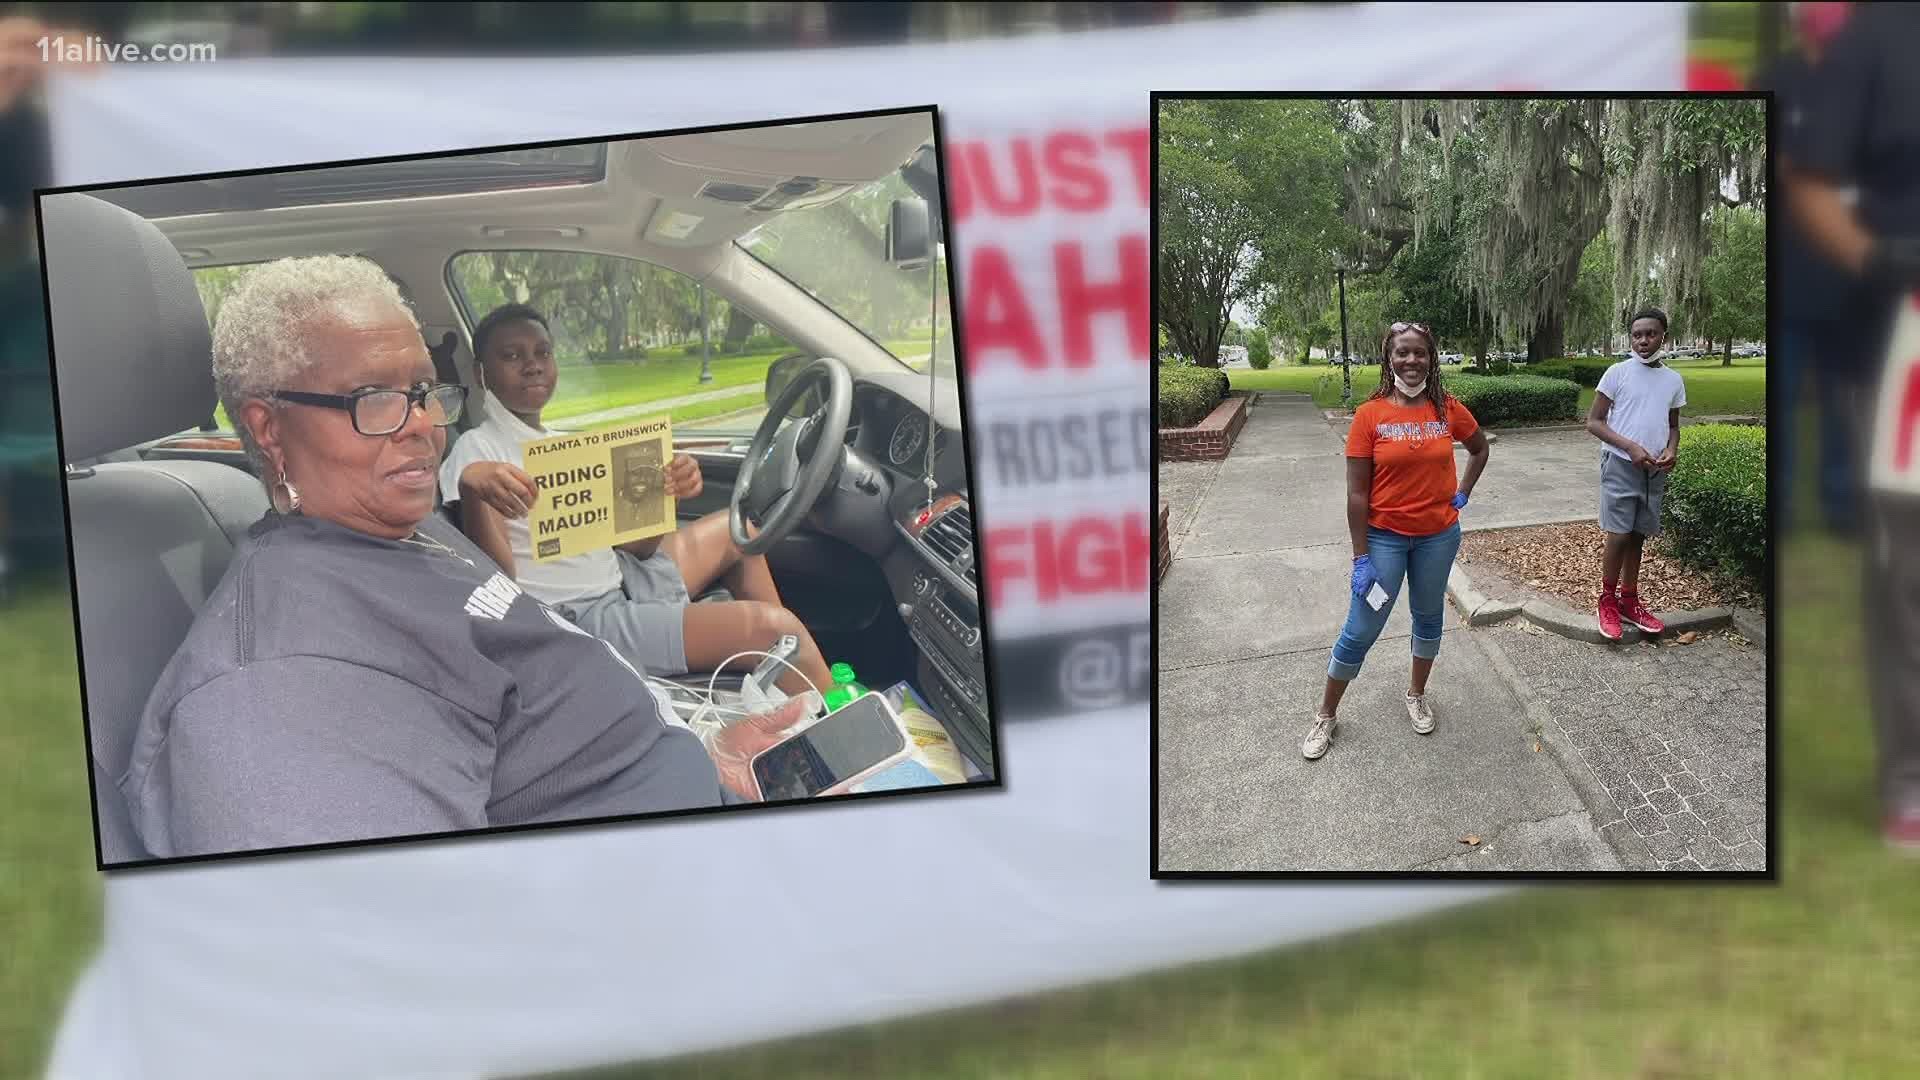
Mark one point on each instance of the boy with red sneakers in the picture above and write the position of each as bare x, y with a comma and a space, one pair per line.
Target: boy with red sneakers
1636, 407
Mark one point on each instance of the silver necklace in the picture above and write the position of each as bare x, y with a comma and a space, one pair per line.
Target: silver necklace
424, 541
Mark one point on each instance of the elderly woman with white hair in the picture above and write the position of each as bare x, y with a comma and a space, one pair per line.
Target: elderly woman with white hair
363, 670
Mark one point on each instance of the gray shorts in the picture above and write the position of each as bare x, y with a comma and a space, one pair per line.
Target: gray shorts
644, 618
1629, 496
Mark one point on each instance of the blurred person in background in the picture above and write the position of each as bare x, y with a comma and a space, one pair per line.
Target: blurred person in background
1862, 131
1820, 348
26, 392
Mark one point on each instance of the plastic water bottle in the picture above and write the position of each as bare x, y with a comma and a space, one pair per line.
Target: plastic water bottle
844, 689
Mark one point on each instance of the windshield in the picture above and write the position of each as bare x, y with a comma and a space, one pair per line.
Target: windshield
837, 253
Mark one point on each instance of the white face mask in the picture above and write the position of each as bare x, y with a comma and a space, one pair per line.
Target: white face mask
1657, 354
1410, 389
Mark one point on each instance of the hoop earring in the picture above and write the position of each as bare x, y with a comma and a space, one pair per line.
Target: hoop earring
293, 495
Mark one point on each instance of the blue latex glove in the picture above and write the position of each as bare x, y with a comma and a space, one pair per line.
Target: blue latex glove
1459, 500
1363, 575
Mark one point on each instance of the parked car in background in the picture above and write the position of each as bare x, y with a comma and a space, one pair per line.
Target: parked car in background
1450, 358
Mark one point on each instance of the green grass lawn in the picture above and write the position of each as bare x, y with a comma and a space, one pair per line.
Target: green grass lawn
1726, 33
1321, 381
1813, 977
49, 892
906, 347
1712, 390
585, 388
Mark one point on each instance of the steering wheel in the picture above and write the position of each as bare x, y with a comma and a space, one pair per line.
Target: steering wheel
787, 469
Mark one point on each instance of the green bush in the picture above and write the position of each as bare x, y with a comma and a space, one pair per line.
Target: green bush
1515, 399
1188, 394
1553, 370
1501, 367
1715, 511
1583, 370
1260, 351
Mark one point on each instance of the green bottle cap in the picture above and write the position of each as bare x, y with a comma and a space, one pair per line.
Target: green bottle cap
842, 673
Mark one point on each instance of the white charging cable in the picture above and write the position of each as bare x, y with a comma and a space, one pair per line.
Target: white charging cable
705, 727
715, 677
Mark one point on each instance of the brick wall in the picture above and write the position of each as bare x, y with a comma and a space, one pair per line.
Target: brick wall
1210, 439
1162, 546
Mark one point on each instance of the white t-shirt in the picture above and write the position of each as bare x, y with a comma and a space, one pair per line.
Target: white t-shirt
1642, 395
556, 581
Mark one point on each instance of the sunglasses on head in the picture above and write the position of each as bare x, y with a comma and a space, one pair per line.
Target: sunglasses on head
1403, 327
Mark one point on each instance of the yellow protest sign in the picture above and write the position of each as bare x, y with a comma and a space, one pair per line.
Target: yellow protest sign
600, 488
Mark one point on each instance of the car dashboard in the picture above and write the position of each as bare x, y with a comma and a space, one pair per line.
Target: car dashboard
924, 542
936, 584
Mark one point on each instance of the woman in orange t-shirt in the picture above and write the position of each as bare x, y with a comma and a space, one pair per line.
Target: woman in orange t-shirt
1403, 511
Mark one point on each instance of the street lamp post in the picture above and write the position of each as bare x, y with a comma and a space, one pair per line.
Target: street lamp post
1346, 368
706, 365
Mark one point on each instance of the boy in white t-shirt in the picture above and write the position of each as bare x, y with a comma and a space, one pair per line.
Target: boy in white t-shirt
1635, 409
636, 596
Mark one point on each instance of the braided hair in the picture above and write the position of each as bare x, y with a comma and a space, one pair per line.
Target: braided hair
1434, 392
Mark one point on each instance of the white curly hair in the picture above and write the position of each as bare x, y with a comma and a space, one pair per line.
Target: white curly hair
260, 339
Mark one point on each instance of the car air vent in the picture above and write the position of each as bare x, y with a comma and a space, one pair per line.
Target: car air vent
722, 191
951, 537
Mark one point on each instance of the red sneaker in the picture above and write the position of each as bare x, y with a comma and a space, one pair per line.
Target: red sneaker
1635, 612
1902, 830
1610, 617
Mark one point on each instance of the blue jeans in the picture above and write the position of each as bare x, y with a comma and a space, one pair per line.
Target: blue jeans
1425, 562
1839, 394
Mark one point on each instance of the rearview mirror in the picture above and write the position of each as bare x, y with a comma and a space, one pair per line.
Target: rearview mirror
909, 234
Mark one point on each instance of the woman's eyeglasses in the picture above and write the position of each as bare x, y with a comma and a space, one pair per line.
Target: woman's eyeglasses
383, 412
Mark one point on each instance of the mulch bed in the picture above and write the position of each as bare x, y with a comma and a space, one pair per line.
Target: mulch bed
1563, 562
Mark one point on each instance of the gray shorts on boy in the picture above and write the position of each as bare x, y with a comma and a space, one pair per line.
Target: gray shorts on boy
1629, 496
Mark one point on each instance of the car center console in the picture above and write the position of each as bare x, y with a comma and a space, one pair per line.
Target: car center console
943, 616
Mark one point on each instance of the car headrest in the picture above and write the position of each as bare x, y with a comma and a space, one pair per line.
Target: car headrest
133, 359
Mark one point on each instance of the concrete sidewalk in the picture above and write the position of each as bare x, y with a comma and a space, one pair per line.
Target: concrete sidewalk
1247, 617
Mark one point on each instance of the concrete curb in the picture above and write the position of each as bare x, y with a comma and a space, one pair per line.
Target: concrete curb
1474, 606
1481, 610
1751, 625
1583, 627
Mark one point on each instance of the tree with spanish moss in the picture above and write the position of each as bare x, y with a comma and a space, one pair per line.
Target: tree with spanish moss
1524, 187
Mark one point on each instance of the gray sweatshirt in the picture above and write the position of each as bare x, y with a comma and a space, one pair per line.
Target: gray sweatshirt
338, 686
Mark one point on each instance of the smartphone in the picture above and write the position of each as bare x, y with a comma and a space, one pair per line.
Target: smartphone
835, 752
1377, 596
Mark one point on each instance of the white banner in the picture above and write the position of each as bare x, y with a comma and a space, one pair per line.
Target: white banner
542, 951
1896, 430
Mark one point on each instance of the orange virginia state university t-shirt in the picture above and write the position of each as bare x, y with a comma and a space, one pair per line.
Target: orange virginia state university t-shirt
1412, 452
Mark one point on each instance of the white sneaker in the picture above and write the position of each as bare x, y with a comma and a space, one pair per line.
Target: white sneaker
1319, 737
1421, 713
